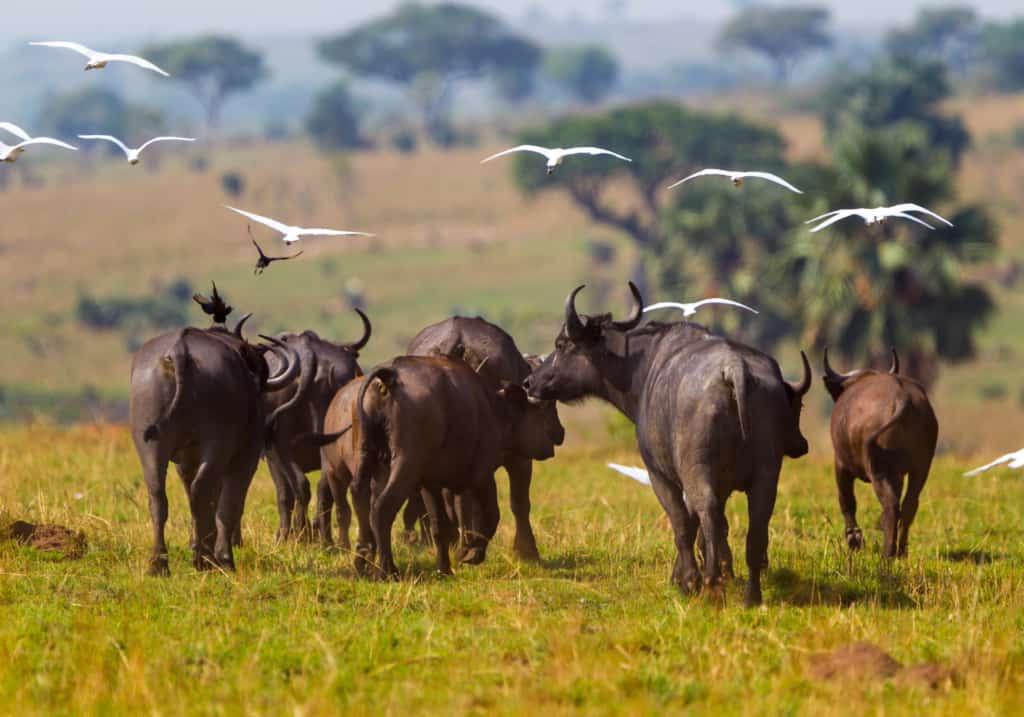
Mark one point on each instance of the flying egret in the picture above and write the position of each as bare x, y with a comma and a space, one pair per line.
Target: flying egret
99, 60
691, 309
293, 234
738, 177
876, 216
9, 153
133, 155
1012, 460
556, 155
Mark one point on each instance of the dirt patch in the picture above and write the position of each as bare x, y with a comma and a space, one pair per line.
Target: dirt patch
857, 661
54, 538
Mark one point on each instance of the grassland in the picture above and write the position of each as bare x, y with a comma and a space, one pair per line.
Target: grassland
595, 628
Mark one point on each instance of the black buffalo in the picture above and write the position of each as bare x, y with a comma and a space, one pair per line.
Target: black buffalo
712, 416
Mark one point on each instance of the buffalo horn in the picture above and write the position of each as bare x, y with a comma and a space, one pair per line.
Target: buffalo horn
367, 330
291, 361
240, 324
573, 324
638, 311
895, 368
801, 388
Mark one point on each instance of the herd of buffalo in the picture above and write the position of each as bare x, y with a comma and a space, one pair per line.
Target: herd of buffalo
428, 430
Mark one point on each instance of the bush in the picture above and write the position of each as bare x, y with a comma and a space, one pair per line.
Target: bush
404, 140
233, 183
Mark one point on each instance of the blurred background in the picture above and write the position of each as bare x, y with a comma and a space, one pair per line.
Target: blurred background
374, 116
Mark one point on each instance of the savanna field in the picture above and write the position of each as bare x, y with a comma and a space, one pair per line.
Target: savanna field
595, 627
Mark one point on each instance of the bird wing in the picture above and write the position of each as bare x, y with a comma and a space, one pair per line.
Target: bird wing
729, 302
911, 217
265, 221
838, 216
44, 140
329, 233
703, 173
637, 474
593, 150
166, 139
772, 178
135, 60
15, 130
81, 49
687, 309
918, 208
1014, 459
521, 148
107, 138
826, 214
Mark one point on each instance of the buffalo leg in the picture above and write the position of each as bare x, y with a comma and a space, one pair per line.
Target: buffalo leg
415, 513
366, 546
482, 505
285, 495
908, 510
384, 511
670, 495
888, 488
848, 506
203, 495
229, 516
520, 473
440, 527
760, 506
712, 519
155, 475
324, 506
303, 496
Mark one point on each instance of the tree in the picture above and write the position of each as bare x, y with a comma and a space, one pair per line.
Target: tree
214, 67
948, 34
781, 33
98, 110
334, 121
1004, 52
586, 73
430, 48
665, 142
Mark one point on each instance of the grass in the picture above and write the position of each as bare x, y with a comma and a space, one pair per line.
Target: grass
595, 628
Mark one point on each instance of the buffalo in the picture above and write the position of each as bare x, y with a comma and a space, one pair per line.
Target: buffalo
883, 428
197, 400
326, 367
712, 416
493, 354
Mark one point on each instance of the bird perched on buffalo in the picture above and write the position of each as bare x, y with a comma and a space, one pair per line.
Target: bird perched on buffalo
215, 306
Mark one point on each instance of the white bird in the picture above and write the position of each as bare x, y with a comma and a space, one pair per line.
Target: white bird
691, 309
134, 154
637, 474
99, 60
9, 153
293, 234
555, 155
1013, 460
738, 177
877, 215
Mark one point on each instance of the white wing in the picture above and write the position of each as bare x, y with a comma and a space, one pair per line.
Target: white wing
911, 217
44, 140
592, 150
839, 216
728, 302
107, 138
15, 130
81, 49
637, 474
521, 148
166, 139
687, 309
772, 178
135, 60
826, 214
917, 208
302, 232
704, 173
1015, 460
265, 221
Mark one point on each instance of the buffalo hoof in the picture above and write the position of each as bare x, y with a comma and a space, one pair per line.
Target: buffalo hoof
752, 598
526, 550
158, 567
854, 538
364, 565
225, 562
689, 585
203, 562
474, 556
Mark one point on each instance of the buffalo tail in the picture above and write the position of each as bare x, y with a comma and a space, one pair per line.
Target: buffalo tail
174, 364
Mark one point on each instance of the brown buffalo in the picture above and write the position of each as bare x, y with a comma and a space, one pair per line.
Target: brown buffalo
883, 428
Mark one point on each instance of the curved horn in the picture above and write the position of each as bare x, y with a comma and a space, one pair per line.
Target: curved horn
638, 311
291, 361
240, 324
573, 324
307, 363
829, 373
805, 385
895, 368
367, 331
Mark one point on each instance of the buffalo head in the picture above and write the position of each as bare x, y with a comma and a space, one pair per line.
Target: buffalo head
836, 382
533, 428
584, 352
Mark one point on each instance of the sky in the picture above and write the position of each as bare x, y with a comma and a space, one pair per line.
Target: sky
62, 19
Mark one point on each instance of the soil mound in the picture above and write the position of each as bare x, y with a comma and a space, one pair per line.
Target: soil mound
55, 538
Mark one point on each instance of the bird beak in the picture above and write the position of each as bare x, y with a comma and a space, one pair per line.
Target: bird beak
738, 181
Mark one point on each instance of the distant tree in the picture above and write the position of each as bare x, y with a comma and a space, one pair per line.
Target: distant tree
586, 73
1004, 52
98, 110
334, 120
781, 33
949, 34
430, 48
214, 67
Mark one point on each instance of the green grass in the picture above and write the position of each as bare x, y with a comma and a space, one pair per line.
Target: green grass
595, 628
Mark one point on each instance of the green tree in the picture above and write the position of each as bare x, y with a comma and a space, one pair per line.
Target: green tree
334, 121
98, 110
214, 67
586, 73
783, 34
949, 34
430, 48
1004, 52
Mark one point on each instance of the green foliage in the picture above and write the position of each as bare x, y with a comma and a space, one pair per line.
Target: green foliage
781, 33
213, 66
1004, 51
949, 33
97, 110
586, 73
166, 309
334, 120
